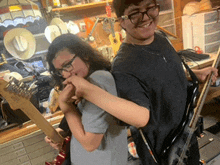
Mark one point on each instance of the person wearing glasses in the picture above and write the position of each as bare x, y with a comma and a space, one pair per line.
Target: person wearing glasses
150, 81
149, 72
96, 138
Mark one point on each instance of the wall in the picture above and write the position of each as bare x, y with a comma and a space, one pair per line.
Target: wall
101, 35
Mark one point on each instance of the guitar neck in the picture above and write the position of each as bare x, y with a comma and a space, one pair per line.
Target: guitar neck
42, 123
18, 98
204, 92
112, 27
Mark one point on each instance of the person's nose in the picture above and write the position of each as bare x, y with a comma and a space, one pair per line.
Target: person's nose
145, 16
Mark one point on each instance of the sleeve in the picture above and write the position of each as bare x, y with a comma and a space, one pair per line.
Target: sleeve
130, 87
95, 119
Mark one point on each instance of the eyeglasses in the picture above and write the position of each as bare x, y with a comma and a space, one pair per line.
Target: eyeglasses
67, 67
135, 18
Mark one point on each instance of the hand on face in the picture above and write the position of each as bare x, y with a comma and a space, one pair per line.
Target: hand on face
66, 98
80, 85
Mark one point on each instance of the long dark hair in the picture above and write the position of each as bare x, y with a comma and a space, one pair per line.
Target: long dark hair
80, 48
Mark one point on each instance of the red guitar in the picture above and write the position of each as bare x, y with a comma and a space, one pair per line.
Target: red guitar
18, 96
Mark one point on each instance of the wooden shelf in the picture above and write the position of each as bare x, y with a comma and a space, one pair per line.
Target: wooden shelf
81, 7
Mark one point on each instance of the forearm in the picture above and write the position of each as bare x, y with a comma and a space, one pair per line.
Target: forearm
73, 118
122, 109
89, 142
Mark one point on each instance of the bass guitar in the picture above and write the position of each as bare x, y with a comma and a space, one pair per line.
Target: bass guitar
177, 144
18, 95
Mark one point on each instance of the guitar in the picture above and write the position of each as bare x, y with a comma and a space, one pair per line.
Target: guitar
90, 37
18, 96
114, 37
176, 149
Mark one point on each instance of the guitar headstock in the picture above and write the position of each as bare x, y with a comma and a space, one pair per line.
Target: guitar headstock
16, 93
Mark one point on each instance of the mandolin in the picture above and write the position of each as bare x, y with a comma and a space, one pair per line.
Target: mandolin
18, 96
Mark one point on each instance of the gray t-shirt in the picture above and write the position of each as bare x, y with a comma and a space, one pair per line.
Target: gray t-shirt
113, 148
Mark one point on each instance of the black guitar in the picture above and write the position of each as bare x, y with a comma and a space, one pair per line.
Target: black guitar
177, 144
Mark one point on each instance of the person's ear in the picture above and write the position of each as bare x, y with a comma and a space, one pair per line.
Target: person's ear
122, 23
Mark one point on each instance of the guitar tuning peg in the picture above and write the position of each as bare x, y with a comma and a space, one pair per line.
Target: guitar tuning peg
9, 87
16, 89
6, 87
21, 84
29, 93
34, 91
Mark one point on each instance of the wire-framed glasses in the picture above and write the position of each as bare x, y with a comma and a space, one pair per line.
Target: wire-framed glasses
67, 67
135, 18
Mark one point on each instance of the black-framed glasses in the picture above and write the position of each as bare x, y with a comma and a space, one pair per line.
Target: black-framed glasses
67, 67
152, 12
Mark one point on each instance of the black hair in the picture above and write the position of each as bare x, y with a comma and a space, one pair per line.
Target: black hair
80, 48
120, 5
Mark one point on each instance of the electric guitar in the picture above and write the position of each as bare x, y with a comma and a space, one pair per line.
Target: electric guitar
18, 96
176, 149
114, 37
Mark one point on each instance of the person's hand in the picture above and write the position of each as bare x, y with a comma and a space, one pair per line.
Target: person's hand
203, 73
66, 98
80, 85
57, 146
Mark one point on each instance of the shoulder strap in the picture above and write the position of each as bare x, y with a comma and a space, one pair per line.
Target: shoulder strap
149, 147
192, 74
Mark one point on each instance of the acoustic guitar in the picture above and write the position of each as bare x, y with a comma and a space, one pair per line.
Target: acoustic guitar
18, 95
114, 37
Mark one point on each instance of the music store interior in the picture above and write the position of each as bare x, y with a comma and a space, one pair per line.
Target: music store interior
29, 26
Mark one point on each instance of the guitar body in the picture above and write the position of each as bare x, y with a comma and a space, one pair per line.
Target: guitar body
174, 139
115, 42
178, 152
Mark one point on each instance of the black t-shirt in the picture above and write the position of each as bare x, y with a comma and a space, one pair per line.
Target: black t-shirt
152, 76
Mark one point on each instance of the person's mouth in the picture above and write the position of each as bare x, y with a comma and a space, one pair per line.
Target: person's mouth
145, 25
